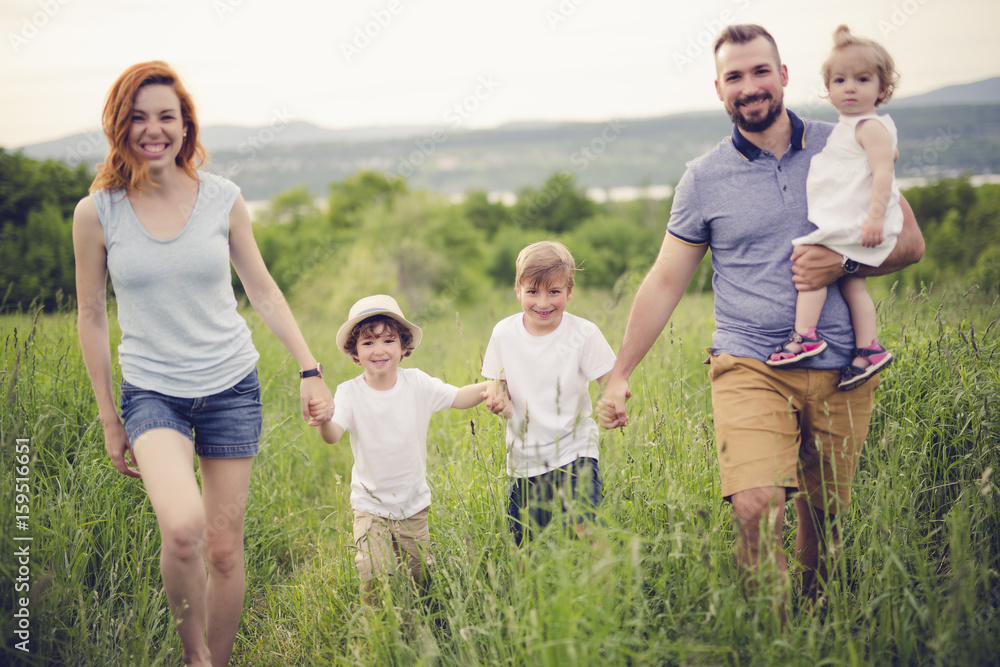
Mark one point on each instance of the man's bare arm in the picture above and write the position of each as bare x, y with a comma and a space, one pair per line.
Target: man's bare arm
658, 295
814, 266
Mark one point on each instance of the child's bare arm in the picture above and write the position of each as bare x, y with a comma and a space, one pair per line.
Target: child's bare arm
603, 380
877, 142
470, 395
321, 413
331, 432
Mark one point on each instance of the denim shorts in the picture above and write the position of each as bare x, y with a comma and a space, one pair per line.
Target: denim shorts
574, 490
226, 425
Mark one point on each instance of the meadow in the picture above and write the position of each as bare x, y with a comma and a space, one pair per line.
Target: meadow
917, 580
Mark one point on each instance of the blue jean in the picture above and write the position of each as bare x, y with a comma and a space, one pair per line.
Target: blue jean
574, 490
225, 425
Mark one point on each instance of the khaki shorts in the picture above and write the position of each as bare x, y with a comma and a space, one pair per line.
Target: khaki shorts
788, 427
384, 543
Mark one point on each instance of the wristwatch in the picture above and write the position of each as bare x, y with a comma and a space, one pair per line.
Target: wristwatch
311, 373
849, 265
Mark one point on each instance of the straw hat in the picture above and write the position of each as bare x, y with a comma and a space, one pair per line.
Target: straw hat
380, 304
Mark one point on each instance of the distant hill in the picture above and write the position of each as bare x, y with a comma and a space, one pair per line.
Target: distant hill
980, 92
231, 137
942, 133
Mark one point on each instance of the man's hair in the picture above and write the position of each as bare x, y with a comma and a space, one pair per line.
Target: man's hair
742, 33
545, 263
378, 325
874, 54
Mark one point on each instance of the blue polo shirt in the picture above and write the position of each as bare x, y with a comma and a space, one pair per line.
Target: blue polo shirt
747, 206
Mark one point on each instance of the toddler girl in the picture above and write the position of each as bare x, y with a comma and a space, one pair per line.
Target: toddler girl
853, 201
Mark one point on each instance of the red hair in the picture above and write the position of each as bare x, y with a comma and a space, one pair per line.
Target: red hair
122, 168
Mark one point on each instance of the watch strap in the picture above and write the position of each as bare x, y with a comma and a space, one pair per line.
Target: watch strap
312, 372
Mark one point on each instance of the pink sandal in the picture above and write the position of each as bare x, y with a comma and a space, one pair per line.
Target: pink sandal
854, 376
810, 345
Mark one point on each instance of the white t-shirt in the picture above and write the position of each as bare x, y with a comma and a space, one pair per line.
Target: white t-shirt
389, 440
548, 378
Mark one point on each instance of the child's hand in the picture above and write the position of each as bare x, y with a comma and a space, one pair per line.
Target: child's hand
493, 401
320, 412
497, 399
611, 411
871, 232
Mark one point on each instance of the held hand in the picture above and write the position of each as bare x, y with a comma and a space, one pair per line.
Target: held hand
319, 412
497, 399
871, 233
116, 445
814, 266
314, 389
611, 411
508, 407
492, 402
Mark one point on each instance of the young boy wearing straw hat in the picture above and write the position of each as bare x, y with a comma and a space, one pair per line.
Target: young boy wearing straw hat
387, 410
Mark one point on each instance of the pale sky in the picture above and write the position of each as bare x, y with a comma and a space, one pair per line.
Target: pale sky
339, 63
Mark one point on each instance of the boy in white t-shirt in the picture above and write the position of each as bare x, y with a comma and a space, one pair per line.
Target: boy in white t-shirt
387, 410
548, 357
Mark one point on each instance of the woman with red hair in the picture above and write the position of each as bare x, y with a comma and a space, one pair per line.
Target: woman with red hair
167, 233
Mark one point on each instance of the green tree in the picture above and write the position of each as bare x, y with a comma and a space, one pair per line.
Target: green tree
484, 214
506, 245
348, 199
987, 271
607, 247
291, 207
982, 228
36, 246
947, 249
558, 206
295, 237
961, 225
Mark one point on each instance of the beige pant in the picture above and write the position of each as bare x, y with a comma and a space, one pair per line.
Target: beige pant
790, 428
383, 543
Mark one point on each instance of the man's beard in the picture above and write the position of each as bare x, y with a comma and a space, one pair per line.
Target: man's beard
747, 125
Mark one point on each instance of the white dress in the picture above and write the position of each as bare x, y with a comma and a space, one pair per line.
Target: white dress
839, 192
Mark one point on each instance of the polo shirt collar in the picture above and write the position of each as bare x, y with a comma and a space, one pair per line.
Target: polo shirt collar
751, 152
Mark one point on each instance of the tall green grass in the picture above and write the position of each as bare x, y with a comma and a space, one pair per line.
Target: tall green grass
917, 577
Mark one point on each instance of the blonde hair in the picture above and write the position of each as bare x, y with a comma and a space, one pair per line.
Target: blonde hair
874, 54
544, 263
